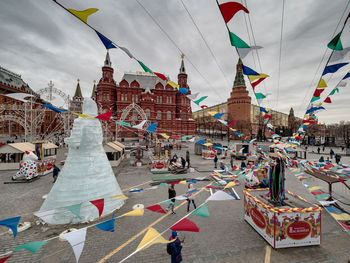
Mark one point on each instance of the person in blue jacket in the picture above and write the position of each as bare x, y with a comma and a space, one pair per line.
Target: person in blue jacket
176, 248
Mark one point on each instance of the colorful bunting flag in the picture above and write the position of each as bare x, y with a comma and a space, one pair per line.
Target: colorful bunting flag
318, 92
77, 240
136, 212
243, 52
49, 106
32, 246
107, 225
229, 9
248, 71
152, 127
161, 76
84, 116
347, 75
156, 208
19, 96
106, 42
237, 42
343, 216
145, 68
105, 116
126, 51
120, 196
220, 196
260, 96
164, 135
185, 225
333, 68
99, 203
230, 184
75, 209
218, 115
255, 83
339, 55
314, 98
2, 260
152, 237
12, 224
231, 123
123, 123
140, 125
335, 43
183, 90
327, 100
193, 96
173, 84
322, 84
200, 100
202, 211
83, 15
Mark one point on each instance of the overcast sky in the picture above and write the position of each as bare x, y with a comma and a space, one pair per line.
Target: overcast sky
43, 42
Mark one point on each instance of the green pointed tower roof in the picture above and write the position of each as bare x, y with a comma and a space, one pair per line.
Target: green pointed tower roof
239, 79
78, 91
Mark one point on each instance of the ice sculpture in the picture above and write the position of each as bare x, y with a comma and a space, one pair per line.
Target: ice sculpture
86, 176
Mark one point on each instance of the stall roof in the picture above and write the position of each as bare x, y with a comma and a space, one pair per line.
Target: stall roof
49, 145
21, 147
119, 144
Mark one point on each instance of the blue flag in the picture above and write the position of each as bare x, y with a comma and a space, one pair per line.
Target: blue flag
312, 109
107, 226
347, 75
49, 106
218, 115
108, 44
183, 90
152, 127
11, 223
333, 68
248, 71
201, 141
262, 109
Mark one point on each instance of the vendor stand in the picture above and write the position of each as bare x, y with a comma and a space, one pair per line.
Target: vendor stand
158, 162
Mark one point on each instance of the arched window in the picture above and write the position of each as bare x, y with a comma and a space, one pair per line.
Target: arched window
168, 115
148, 113
159, 115
136, 98
160, 99
184, 115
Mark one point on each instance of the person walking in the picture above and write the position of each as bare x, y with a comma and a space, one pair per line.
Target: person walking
175, 248
188, 159
190, 197
55, 172
331, 153
324, 148
318, 150
337, 158
172, 194
216, 161
183, 162
175, 158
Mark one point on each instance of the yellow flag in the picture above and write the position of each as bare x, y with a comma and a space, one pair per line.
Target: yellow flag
322, 84
152, 237
314, 188
183, 182
207, 144
230, 184
254, 77
342, 216
233, 129
83, 115
212, 113
319, 105
120, 196
164, 135
136, 212
295, 170
83, 15
173, 84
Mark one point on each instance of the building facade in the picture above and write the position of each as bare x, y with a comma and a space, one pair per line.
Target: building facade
143, 96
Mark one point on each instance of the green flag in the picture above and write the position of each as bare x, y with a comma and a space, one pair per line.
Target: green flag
32, 246
335, 43
321, 196
260, 96
201, 211
333, 91
75, 209
145, 68
237, 42
314, 98
200, 100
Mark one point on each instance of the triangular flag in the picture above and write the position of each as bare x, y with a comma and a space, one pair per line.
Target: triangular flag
107, 225
135, 212
333, 91
218, 115
237, 42
83, 15
343, 217
201, 211
255, 83
230, 184
223, 122
145, 68
123, 123
185, 225
173, 84
152, 127
75, 209
152, 237
164, 135
106, 42
183, 90
248, 71
260, 96
220, 196
84, 116
77, 240
311, 189
99, 203
345, 226
183, 182
2, 260
126, 51
322, 84
49, 106
19, 96
254, 77
229, 125
339, 55
347, 75
327, 100
335, 43
200, 100
243, 52
229, 9
333, 68
314, 98
201, 141
140, 125
105, 116
120, 196
161, 76
318, 92
156, 208
11, 223
193, 96
32, 246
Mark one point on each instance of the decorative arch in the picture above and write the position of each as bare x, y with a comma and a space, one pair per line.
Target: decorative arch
60, 93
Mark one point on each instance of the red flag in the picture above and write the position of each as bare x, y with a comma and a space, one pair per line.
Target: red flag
229, 9
204, 106
317, 193
341, 180
2, 260
105, 116
99, 203
177, 182
345, 226
161, 76
318, 92
185, 225
327, 100
255, 83
267, 116
156, 208
298, 137
231, 123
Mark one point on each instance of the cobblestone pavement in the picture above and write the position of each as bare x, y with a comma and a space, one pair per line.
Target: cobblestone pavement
223, 237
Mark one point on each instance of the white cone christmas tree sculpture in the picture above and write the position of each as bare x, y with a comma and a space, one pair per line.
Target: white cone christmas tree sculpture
86, 176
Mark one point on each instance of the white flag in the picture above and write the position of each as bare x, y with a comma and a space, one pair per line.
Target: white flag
140, 125
77, 240
192, 96
19, 96
243, 52
46, 216
219, 196
324, 203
